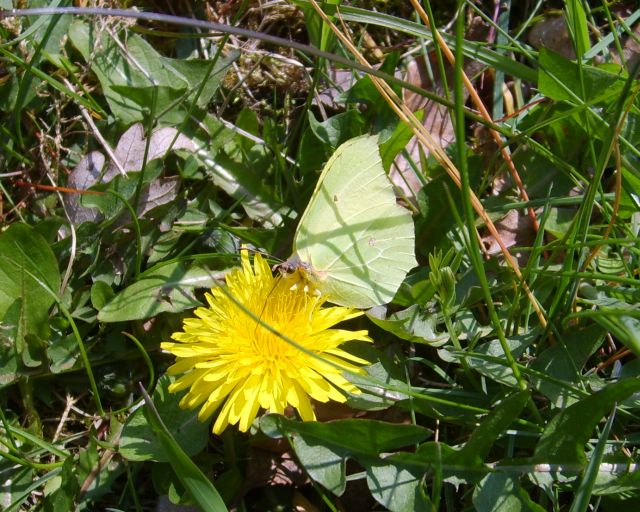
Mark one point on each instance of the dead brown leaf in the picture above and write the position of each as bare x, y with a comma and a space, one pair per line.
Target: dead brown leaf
130, 154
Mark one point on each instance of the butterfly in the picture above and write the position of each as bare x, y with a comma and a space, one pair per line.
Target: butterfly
354, 243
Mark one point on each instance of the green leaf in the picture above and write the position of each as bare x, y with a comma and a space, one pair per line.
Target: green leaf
194, 71
167, 289
139, 442
60, 492
617, 313
559, 79
129, 90
398, 140
199, 486
339, 128
164, 96
500, 492
412, 324
62, 353
398, 483
101, 293
27, 266
477, 448
500, 371
323, 448
398, 487
561, 361
566, 434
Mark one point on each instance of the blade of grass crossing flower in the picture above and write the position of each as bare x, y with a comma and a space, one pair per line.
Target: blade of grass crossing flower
583, 494
199, 486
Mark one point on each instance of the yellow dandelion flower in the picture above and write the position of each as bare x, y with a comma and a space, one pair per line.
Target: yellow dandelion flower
233, 361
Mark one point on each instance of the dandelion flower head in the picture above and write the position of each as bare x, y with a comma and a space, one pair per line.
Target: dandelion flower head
230, 360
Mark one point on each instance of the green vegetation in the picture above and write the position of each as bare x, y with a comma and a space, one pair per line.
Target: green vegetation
141, 151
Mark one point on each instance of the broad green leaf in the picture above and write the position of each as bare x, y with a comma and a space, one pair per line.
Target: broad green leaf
60, 492
559, 79
129, 89
29, 274
565, 436
323, 448
162, 95
384, 383
101, 294
617, 313
339, 128
412, 324
398, 140
139, 441
62, 353
398, 482
398, 487
501, 492
563, 361
500, 371
167, 289
112, 67
559, 221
